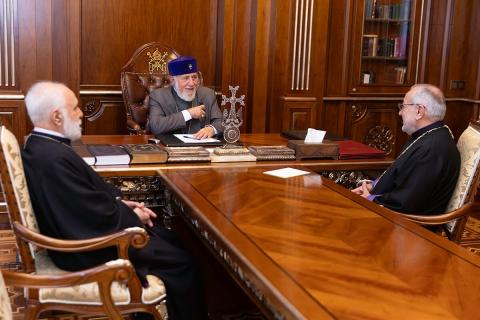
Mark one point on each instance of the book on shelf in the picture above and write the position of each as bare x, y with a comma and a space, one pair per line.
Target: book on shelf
367, 77
370, 45
400, 74
83, 152
145, 153
370, 9
108, 154
187, 154
350, 149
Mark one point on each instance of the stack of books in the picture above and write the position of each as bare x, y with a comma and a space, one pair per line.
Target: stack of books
265, 153
187, 154
145, 153
232, 154
108, 154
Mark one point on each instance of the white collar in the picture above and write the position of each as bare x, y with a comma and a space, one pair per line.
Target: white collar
50, 132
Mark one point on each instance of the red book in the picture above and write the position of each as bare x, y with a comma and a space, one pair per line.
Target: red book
350, 149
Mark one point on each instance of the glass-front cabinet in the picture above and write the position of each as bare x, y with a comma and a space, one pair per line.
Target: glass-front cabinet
385, 46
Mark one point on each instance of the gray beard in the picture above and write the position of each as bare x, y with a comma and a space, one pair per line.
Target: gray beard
182, 95
72, 129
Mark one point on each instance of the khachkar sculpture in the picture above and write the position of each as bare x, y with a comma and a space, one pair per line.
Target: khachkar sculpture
231, 121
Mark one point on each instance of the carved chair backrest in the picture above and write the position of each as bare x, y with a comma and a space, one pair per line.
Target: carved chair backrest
469, 147
15, 187
145, 71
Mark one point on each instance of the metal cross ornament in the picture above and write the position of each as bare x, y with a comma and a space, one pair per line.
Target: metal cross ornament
232, 119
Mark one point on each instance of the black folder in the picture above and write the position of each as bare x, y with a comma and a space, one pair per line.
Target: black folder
170, 140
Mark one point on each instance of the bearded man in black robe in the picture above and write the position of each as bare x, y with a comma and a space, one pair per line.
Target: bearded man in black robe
71, 201
424, 175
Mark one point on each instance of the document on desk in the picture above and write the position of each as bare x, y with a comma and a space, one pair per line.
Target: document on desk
190, 138
286, 173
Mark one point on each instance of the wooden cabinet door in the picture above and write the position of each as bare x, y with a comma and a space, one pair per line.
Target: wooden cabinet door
376, 124
385, 46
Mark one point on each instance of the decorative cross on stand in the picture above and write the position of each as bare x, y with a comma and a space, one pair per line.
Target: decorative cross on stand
231, 121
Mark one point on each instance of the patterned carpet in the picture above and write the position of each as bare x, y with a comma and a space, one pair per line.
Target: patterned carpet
470, 241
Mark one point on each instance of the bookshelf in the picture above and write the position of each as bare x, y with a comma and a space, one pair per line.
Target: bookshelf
383, 40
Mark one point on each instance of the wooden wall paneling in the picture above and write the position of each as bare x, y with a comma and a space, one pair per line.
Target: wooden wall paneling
463, 52
334, 117
260, 77
9, 76
304, 55
66, 42
283, 13
458, 116
27, 52
438, 42
376, 124
113, 29
299, 113
12, 116
237, 54
103, 115
338, 48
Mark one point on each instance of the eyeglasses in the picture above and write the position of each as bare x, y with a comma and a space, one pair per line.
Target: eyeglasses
403, 105
185, 78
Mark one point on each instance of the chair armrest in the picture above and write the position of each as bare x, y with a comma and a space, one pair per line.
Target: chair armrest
117, 270
135, 237
440, 218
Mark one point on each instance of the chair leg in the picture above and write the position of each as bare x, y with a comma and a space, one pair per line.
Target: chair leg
31, 311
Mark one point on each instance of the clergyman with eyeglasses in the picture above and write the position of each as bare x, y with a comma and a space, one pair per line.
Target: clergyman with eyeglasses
424, 175
185, 106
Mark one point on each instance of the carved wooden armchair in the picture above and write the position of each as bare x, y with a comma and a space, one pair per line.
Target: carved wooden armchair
118, 270
144, 72
461, 202
84, 292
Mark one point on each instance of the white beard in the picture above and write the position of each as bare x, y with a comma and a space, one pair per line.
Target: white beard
72, 128
183, 95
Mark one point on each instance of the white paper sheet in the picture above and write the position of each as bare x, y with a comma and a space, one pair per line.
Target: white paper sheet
315, 136
286, 173
190, 138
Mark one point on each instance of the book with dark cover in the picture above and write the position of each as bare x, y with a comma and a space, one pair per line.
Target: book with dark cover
83, 152
145, 153
187, 154
350, 149
107, 154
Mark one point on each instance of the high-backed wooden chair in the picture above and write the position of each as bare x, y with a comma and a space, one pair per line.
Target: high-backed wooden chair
461, 202
145, 71
90, 293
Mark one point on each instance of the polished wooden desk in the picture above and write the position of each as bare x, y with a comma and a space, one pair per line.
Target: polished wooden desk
305, 248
